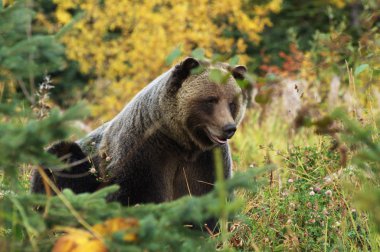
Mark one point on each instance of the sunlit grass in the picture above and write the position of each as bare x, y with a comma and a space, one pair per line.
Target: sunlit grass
305, 204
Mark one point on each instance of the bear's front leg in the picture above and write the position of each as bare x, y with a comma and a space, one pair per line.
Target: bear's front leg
149, 186
198, 178
76, 176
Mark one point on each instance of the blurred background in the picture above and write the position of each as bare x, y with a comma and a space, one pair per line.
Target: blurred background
106, 51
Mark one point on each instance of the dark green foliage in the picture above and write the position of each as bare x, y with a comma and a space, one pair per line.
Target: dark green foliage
28, 52
23, 137
24, 55
296, 22
161, 227
70, 85
299, 22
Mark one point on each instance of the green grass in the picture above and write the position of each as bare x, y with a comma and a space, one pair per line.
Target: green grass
305, 205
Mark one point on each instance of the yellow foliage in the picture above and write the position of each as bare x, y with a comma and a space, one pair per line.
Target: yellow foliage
126, 42
7, 2
78, 240
118, 224
338, 3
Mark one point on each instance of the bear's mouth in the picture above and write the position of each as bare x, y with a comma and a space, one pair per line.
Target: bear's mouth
214, 138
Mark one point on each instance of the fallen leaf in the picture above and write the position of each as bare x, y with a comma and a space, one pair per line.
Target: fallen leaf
119, 224
79, 240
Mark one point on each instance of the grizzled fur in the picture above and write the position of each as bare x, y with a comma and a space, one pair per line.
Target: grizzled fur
160, 146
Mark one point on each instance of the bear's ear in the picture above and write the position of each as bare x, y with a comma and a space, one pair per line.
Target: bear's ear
189, 63
181, 72
239, 72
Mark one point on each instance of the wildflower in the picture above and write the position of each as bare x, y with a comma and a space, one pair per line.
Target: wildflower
350, 168
93, 143
328, 192
92, 170
292, 205
317, 189
45, 85
311, 193
108, 158
312, 220
316, 207
328, 180
325, 212
290, 180
251, 166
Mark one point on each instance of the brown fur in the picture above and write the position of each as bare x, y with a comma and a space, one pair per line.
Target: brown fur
160, 147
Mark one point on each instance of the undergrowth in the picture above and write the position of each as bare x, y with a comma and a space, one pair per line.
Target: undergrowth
309, 203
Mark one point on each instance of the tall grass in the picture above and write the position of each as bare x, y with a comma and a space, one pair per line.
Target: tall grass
306, 204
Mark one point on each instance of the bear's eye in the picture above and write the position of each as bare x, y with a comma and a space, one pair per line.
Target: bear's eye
232, 106
211, 100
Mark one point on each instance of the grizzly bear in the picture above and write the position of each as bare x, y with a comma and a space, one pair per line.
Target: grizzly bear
160, 146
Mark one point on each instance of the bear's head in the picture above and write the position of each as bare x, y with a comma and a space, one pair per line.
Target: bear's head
207, 112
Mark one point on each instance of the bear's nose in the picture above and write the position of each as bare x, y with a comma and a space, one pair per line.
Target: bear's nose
229, 130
